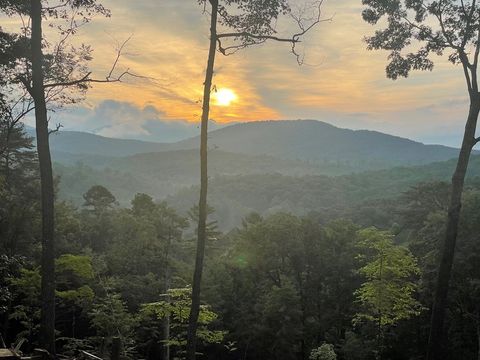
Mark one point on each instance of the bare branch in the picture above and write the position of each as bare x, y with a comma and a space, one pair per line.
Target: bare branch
108, 79
313, 21
232, 49
254, 36
24, 112
57, 129
250, 39
119, 54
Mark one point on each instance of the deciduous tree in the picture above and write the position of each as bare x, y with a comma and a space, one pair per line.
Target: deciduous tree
415, 31
246, 23
48, 73
387, 295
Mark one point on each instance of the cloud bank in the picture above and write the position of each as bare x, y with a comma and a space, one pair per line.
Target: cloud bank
119, 119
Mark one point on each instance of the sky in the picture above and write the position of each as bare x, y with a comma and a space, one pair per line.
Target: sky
340, 82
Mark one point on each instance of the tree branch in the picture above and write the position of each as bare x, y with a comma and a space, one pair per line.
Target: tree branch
26, 83
438, 15
254, 36
250, 39
108, 79
119, 54
466, 69
474, 67
70, 83
57, 129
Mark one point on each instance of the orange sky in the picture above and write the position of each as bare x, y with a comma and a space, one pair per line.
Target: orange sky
340, 74
341, 83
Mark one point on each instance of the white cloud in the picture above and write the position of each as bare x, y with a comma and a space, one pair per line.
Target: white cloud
126, 120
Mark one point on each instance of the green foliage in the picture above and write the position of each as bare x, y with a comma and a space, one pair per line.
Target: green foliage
9, 270
28, 283
277, 287
109, 317
83, 293
280, 271
76, 265
176, 307
73, 271
99, 198
280, 321
27, 305
18, 186
387, 296
324, 352
434, 28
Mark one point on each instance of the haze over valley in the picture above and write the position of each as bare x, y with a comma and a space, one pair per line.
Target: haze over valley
255, 167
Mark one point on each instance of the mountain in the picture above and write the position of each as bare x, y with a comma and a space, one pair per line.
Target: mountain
318, 141
77, 142
305, 140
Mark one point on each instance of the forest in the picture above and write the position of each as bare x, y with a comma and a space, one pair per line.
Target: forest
249, 240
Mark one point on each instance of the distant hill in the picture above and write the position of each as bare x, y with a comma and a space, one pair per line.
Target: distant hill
77, 142
306, 140
318, 141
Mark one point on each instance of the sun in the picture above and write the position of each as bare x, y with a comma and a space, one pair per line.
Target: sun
224, 97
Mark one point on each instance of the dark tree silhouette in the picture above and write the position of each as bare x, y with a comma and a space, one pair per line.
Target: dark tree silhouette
251, 22
442, 27
50, 76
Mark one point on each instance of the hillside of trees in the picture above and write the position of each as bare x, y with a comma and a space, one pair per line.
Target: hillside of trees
250, 184
278, 284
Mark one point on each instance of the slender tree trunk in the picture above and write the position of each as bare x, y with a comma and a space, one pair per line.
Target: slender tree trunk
47, 330
478, 337
166, 320
202, 204
436, 341
166, 336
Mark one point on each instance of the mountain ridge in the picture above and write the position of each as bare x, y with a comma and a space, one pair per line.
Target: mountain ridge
317, 140
305, 140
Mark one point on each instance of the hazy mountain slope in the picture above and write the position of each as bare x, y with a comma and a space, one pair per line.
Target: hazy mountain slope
75, 142
307, 140
185, 164
235, 196
315, 140
162, 174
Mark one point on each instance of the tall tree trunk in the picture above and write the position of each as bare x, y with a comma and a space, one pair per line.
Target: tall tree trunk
166, 320
166, 336
202, 204
478, 336
436, 341
47, 330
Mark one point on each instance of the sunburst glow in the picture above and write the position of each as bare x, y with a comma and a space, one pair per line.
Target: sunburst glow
224, 97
